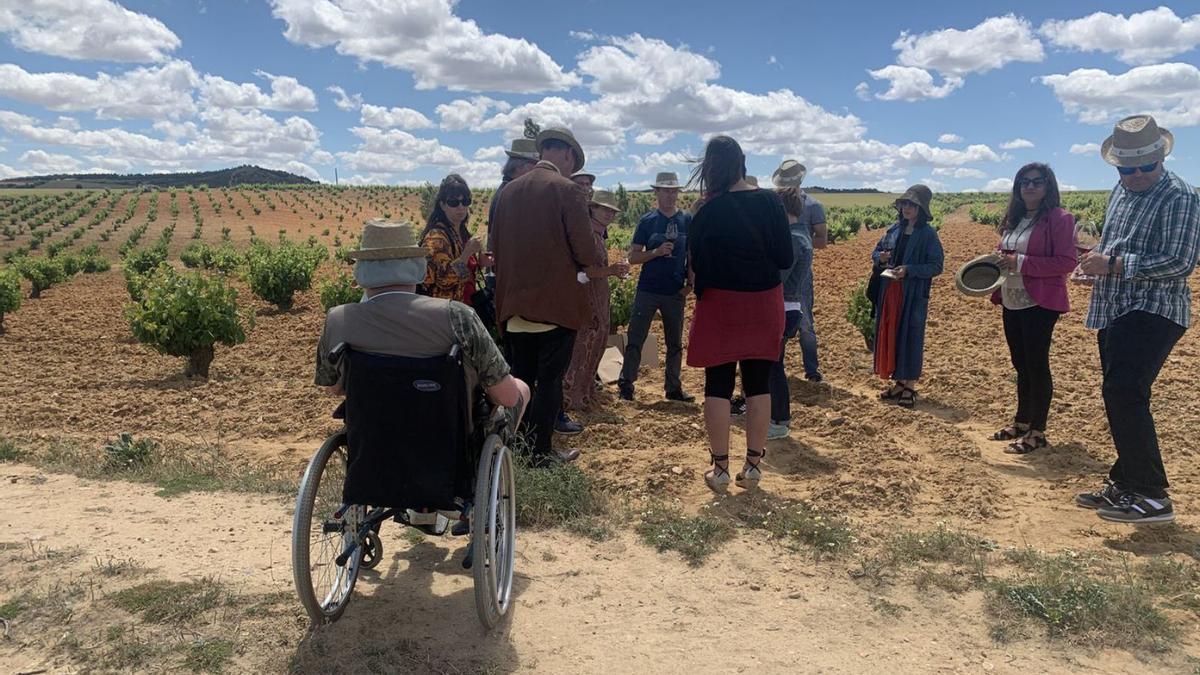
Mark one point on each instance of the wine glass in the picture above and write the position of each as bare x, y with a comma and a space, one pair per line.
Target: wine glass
671, 235
1087, 238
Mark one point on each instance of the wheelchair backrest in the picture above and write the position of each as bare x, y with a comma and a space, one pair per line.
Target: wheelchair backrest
407, 426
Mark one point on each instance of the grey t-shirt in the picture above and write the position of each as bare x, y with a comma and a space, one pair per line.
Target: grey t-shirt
812, 214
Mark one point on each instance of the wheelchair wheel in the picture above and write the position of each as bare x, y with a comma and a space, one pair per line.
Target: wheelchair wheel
493, 532
372, 550
322, 531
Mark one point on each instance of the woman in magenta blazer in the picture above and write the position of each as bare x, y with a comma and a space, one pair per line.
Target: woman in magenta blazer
1037, 239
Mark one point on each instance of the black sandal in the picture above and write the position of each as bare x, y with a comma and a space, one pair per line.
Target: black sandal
1010, 433
1026, 445
717, 478
907, 397
891, 393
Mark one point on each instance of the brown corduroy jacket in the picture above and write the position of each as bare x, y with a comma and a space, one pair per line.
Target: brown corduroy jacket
542, 238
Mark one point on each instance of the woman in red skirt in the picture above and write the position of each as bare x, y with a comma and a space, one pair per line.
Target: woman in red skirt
739, 247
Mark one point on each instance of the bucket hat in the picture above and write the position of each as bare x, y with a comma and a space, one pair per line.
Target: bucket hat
980, 276
383, 240
789, 174
562, 134
1135, 141
918, 194
605, 199
581, 172
667, 180
523, 148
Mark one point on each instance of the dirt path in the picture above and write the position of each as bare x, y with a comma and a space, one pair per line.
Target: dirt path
580, 606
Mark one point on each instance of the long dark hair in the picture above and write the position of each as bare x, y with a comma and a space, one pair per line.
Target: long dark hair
1016, 205
452, 186
723, 165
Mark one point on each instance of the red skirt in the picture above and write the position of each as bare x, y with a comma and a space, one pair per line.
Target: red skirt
889, 324
733, 326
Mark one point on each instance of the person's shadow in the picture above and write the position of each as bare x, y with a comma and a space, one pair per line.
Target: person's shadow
413, 613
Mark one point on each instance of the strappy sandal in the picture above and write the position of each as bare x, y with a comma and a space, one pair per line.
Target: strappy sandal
717, 478
1010, 433
907, 397
891, 393
751, 474
1026, 445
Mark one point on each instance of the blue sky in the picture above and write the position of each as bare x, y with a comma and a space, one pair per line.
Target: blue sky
878, 94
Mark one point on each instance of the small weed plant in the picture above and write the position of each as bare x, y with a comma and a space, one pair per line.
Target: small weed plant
694, 537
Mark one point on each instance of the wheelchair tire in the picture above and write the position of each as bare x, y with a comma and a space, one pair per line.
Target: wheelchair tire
372, 551
318, 538
493, 533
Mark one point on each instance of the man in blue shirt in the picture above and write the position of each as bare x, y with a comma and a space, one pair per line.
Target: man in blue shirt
660, 246
1141, 306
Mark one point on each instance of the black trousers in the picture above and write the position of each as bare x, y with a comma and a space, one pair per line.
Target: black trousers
1132, 351
541, 360
756, 378
1028, 332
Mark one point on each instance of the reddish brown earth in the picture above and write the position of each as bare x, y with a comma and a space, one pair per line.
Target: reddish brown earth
72, 371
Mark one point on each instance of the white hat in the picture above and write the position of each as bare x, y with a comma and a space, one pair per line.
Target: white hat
789, 174
666, 179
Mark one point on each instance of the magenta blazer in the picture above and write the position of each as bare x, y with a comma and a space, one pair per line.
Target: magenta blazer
1049, 260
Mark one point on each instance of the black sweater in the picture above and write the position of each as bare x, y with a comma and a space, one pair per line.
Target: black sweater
739, 241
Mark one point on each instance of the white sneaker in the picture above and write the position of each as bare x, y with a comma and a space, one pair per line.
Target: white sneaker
777, 431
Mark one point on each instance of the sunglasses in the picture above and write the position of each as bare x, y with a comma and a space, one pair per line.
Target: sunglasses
456, 202
1130, 170
1031, 182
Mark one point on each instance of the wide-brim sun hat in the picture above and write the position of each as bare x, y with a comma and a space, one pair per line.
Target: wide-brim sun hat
563, 134
666, 180
523, 148
384, 240
1137, 140
980, 276
752, 180
605, 199
581, 172
789, 174
918, 194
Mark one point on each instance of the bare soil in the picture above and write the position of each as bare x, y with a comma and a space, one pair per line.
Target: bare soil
73, 373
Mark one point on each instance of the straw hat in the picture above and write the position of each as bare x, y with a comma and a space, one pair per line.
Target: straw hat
1137, 140
581, 172
382, 240
523, 148
789, 174
605, 199
562, 134
753, 180
668, 180
918, 194
980, 276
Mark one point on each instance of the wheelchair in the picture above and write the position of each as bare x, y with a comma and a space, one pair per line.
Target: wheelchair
417, 448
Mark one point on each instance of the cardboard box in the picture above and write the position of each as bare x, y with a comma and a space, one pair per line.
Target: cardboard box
649, 348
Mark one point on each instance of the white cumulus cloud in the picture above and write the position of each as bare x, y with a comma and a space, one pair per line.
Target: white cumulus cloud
992, 44
906, 83
1137, 39
950, 138
145, 92
286, 93
344, 101
469, 113
91, 30
1169, 91
1085, 148
384, 118
657, 161
426, 38
998, 185
42, 162
959, 172
1017, 144
653, 137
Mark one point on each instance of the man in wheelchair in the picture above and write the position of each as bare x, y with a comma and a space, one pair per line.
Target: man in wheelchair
410, 377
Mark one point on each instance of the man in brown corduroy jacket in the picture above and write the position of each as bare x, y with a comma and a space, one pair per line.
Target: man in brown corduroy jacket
543, 239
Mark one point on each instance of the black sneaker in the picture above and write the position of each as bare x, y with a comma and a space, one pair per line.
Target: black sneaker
737, 406
680, 395
625, 391
1106, 496
566, 426
1135, 509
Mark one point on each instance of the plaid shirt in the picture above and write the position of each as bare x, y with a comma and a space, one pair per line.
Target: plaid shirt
1157, 235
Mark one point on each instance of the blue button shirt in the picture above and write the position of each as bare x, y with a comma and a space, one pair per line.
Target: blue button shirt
663, 276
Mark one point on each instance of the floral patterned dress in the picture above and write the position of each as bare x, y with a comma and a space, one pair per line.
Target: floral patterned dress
445, 277
579, 383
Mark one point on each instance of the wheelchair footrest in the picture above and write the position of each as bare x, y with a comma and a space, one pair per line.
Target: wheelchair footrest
433, 522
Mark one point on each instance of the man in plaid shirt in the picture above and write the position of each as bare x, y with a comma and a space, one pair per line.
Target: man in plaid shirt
1141, 306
